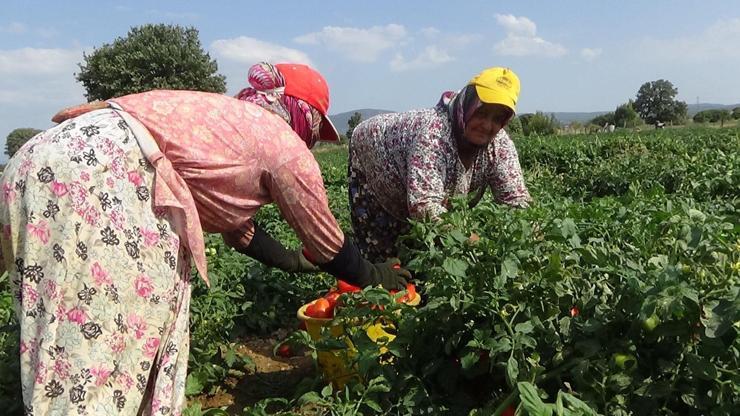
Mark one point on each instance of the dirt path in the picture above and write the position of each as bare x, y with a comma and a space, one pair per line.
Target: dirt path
273, 376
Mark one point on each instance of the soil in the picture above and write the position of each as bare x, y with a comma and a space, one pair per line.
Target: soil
272, 376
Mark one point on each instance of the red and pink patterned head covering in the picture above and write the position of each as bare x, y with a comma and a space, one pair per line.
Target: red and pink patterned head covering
460, 106
268, 91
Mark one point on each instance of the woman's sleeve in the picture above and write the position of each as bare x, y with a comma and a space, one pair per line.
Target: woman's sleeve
426, 173
298, 190
506, 179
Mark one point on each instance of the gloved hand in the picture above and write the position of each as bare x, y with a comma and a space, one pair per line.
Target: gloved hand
270, 252
350, 266
389, 274
303, 264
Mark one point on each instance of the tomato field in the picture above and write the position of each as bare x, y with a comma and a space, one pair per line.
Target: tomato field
616, 293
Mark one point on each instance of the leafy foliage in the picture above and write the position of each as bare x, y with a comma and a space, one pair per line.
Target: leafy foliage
538, 124
352, 123
656, 102
17, 138
626, 116
651, 264
150, 57
712, 116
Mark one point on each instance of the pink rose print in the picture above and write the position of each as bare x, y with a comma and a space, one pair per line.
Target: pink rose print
100, 275
143, 286
40, 231
8, 192
59, 188
135, 178
61, 313
77, 316
91, 215
40, 370
150, 237
151, 347
101, 375
78, 193
85, 176
137, 324
61, 368
117, 218
117, 343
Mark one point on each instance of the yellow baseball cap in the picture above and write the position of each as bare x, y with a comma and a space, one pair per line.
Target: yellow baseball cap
497, 85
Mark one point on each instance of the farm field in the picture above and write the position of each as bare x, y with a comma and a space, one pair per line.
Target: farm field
616, 293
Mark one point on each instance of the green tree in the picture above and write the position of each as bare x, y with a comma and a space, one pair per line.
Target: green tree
626, 116
17, 138
515, 126
150, 57
539, 124
702, 116
724, 115
656, 102
736, 113
607, 118
352, 123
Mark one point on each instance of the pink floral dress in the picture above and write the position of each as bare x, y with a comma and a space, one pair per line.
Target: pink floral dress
97, 239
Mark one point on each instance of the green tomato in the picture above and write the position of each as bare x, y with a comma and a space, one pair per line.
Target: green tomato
650, 323
624, 361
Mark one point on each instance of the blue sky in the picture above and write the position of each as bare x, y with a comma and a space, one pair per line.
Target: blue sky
395, 55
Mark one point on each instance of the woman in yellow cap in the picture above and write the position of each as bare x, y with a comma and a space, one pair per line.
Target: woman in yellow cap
408, 165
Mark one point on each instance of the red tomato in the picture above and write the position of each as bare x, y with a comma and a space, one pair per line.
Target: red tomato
510, 411
344, 287
285, 351
574, 311
320, 308
411, 289
332, 298
409, 295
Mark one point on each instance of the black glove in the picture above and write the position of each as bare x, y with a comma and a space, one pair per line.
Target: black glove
270, 252
350, 266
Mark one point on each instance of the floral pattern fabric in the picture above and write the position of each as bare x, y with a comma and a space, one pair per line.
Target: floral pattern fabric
100, 281
411, 163
235, 157
376, 231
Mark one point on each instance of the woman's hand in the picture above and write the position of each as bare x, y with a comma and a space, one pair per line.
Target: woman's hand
268, 251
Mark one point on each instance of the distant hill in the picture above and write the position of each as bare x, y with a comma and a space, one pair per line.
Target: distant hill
695, 108
568, 117
340, 120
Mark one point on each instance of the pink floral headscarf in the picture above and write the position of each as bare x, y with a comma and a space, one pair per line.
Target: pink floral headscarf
267, 90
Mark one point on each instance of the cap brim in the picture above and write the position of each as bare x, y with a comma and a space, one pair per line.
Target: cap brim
327, 132
491, 96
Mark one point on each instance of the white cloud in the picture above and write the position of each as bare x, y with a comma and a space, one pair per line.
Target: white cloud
357, 44
590, 54
522, 40
431, 56
520, 26
30, 61
13, 27
430, 32
717, 42
248, 50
